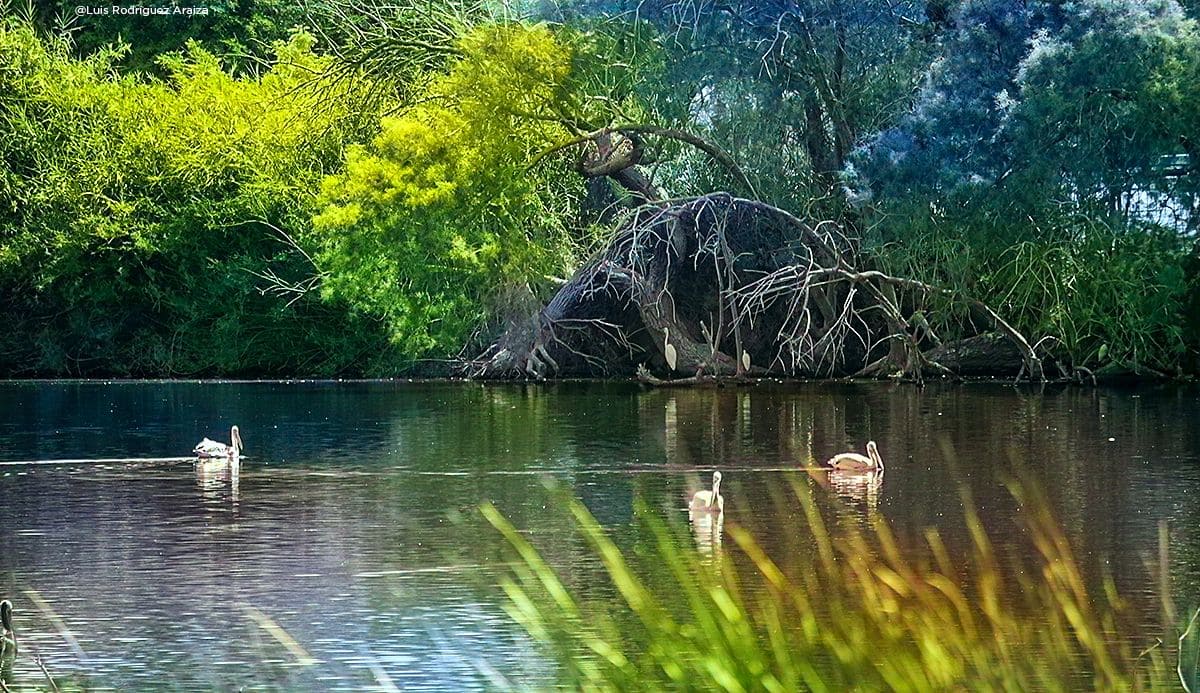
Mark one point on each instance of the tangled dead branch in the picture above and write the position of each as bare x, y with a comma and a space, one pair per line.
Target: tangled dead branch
722, 286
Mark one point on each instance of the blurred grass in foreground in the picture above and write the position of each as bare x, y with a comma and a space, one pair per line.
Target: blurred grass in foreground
858, 614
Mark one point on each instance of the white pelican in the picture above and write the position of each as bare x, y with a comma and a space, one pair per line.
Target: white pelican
710, 501
854, 462
211, 448
8, 636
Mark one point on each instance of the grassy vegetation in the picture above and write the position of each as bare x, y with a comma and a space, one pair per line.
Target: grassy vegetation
1114, 295
860, 613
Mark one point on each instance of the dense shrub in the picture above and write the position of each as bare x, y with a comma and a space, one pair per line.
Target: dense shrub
439, 214
128, 236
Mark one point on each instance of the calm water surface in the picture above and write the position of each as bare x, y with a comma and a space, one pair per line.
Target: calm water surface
352, 525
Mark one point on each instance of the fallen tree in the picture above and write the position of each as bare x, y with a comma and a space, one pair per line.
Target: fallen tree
720, 285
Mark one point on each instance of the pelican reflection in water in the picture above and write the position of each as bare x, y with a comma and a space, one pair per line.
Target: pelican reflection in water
862, 487
708, 529
213, 449
214, 474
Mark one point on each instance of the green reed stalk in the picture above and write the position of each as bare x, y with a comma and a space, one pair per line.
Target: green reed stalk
860, 613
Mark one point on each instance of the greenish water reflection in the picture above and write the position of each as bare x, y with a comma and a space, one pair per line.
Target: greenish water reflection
352, 522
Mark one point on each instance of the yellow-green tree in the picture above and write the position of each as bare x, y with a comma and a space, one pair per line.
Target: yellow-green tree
128, 244
440, 212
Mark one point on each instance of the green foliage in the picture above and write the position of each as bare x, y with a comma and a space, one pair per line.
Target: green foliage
785, 88
859, 613
125, 246
1030, 88
243, 32
1016, 177
431, 221
1034, 173
1191, 308
1102, 124
1189, 655
1109, 293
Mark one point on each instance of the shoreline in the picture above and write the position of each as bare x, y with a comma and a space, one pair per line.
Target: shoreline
1124, 381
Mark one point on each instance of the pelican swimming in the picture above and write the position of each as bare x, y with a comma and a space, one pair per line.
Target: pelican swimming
854, 462
710, 501
8, 636
211, 448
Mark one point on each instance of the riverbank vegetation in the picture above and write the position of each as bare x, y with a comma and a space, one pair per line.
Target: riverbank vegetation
360, 188
857, 609
138, 213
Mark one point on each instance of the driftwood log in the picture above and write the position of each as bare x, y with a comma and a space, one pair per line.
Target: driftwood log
720, 285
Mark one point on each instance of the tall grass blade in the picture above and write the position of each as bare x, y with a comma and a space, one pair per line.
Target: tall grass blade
1189, 655
861, 610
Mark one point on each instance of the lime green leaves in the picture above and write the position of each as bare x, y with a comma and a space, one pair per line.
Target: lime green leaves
437, 212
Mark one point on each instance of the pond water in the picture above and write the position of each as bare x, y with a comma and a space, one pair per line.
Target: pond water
347, 550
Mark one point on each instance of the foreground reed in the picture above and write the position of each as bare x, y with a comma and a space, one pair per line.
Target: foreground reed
861, 614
